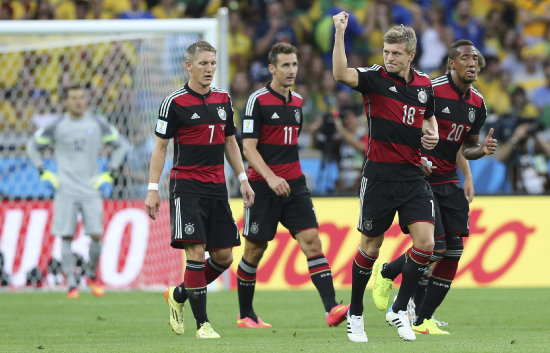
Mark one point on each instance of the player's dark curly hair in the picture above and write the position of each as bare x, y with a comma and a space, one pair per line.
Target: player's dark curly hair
280, 48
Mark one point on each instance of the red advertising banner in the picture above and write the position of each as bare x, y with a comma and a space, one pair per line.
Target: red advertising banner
508, 238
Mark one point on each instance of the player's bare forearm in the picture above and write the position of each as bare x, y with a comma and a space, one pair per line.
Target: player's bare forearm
431, 135
233, 155
279, 185
340, 68
472, 149
157, 159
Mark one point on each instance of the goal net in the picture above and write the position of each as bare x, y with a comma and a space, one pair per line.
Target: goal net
129, 67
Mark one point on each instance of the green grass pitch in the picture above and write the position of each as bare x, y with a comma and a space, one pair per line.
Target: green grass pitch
481, 320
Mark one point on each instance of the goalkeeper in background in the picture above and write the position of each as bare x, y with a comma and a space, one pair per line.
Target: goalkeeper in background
77, 139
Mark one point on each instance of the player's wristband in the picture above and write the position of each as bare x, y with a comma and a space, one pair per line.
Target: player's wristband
242, 177
153, 186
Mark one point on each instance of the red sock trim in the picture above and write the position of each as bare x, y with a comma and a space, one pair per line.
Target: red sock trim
363, 260
420, 256
245, 276
194, 279
445, 269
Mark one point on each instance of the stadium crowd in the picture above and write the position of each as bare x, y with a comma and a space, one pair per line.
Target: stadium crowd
513, 35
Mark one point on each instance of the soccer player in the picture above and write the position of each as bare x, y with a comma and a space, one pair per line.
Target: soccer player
77, 139
461, 114
272, 123
400, 112
200, 120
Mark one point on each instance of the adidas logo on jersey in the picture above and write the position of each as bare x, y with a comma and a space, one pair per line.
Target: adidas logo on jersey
446, 110
195, 116
393, 89
275, 116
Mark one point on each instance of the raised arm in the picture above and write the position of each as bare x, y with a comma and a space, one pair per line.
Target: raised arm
340, 68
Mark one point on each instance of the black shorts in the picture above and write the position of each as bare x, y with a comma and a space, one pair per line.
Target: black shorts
197, 219
451, 211
295, 212
380, 200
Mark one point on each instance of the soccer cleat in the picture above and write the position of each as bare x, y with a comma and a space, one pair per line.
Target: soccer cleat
96, 288
72, 293
400, 320
356, 328
206, 331
250, 323
411, 310
176, 311
429, 327
337, 314
439, 323
381, 289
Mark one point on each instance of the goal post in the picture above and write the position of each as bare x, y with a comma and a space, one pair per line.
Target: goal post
130, 66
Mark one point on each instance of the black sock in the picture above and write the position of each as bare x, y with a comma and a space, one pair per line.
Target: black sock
321, 276
392, 269
246, 284
180, 295
196, 290
361, 271
420, 292
413, 270
435, 293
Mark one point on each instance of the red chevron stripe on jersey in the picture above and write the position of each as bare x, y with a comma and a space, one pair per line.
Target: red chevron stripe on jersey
385, 151
189, 100
279, 134
203, 173
288, 171
211, 134
395, 110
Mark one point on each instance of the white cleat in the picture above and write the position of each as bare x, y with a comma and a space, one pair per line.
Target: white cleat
400, 320
356, 328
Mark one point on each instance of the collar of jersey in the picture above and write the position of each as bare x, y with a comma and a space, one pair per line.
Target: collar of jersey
280, 96
456, 89
198, 95
398, 78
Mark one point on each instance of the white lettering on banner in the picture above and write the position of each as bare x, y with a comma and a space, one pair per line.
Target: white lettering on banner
136, 248
11, 231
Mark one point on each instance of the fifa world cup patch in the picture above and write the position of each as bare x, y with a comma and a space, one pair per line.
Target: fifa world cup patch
248, 125
161, 126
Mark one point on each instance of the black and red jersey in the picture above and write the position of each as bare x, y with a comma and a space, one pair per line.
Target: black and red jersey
457, 116
276, 124
199, 125
395, 112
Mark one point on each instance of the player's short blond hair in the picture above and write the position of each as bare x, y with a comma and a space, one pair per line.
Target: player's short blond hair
194, 49
401, 34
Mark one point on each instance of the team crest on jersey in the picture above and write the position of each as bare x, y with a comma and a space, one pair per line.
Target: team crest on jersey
254, 228
189, 228
367, 224
221, 113
297, 115
472, 115
422, 96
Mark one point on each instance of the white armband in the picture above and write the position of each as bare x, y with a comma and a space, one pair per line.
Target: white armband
242, 177
153, 186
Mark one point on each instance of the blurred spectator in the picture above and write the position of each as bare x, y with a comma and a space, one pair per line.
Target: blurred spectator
353, 142
44, 112
168, 9
495, 29
520, 107
24, 9
529, 74
435, 37
136, 167
275, 29
533, 19
44, 11
465, 26
526, 154
489, 84
541, 96
6, 11
240, 91
512, 43
135, 12
240, 45
299, 20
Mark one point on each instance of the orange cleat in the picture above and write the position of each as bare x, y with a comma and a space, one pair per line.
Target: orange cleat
96, 288
337, 314
249, 323
73, 294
